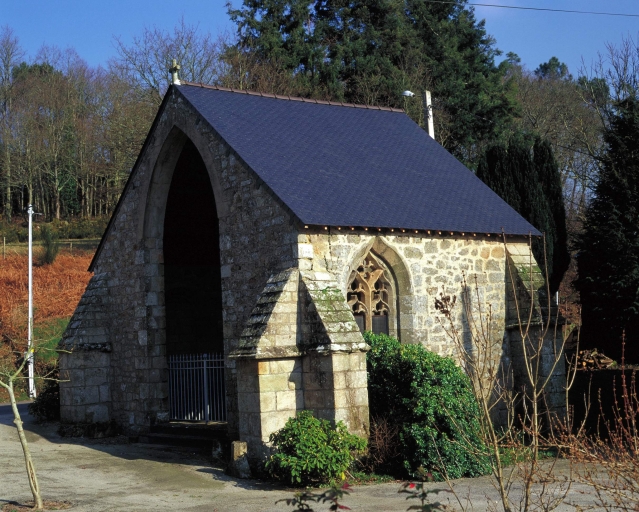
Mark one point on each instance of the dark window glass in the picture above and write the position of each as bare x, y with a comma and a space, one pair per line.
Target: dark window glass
380, 324
361, 322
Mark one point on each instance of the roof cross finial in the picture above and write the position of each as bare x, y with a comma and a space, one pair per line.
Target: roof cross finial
174, 73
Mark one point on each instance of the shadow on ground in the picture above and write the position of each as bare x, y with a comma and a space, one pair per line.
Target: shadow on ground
122, 448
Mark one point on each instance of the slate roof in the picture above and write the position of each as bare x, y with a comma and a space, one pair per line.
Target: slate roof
336, 165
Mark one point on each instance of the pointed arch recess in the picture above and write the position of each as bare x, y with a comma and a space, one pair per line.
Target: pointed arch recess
389, 271
162, 175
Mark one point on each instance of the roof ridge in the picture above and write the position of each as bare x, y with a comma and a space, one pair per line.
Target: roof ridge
290, 98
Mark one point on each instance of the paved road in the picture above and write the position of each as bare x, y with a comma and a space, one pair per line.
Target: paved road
114, 476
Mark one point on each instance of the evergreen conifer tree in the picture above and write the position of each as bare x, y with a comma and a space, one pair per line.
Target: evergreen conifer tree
608, 256
549, 179
369, 51
529, 181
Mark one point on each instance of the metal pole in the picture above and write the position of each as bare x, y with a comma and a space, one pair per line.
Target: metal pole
32, 390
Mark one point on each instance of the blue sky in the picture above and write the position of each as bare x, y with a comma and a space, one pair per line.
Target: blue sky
89, 26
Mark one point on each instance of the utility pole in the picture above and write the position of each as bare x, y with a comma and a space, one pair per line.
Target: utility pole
428, 110
32, 390
428, 113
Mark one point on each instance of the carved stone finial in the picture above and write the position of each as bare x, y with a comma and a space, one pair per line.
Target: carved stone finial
175, 80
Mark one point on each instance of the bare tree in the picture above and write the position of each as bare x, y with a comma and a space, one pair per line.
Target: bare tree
477, 335
552, 105
148, 59
614, 76
10, 55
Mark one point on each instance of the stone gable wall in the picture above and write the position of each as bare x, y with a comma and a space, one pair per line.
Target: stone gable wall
256, 239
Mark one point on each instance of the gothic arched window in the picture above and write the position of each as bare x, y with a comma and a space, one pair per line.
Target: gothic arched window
370, 296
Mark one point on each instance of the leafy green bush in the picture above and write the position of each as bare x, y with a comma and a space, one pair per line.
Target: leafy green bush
309, 450
430, 399
50, 245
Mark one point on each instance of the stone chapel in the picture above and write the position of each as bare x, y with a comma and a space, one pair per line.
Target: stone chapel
256, 238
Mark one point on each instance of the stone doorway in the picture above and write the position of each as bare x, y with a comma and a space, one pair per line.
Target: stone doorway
193, 293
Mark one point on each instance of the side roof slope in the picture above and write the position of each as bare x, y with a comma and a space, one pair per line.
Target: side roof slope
344, 166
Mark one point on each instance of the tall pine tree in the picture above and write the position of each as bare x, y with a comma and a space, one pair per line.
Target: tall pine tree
529, 181
608, 256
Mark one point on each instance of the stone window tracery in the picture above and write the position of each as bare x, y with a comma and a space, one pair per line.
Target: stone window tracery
370, 296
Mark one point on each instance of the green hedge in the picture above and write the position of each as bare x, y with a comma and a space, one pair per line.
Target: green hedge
430, 399
74, 229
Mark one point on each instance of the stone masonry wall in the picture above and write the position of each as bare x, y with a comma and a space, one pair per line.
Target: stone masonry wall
300, 350
85, 395
537, 335
424, 267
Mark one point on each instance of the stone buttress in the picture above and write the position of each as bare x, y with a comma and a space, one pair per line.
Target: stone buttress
301, 350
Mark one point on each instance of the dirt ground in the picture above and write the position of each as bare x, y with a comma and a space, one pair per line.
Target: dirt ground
108, 475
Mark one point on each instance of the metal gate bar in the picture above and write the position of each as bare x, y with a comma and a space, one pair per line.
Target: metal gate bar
196, 387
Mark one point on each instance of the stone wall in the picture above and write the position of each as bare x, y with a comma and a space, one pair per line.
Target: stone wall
534, 330
300, 350
424, 266
85, 394
495, 286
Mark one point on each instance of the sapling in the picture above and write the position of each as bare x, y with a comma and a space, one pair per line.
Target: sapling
8, 377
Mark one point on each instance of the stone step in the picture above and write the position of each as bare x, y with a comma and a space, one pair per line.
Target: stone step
203, 430
197, 443
210, 439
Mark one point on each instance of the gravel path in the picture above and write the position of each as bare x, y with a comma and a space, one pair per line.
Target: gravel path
114, 475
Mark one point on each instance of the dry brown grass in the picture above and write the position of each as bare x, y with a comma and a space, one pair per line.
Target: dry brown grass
57, 288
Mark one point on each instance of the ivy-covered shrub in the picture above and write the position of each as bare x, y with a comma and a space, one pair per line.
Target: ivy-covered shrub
430, 399
308, 450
